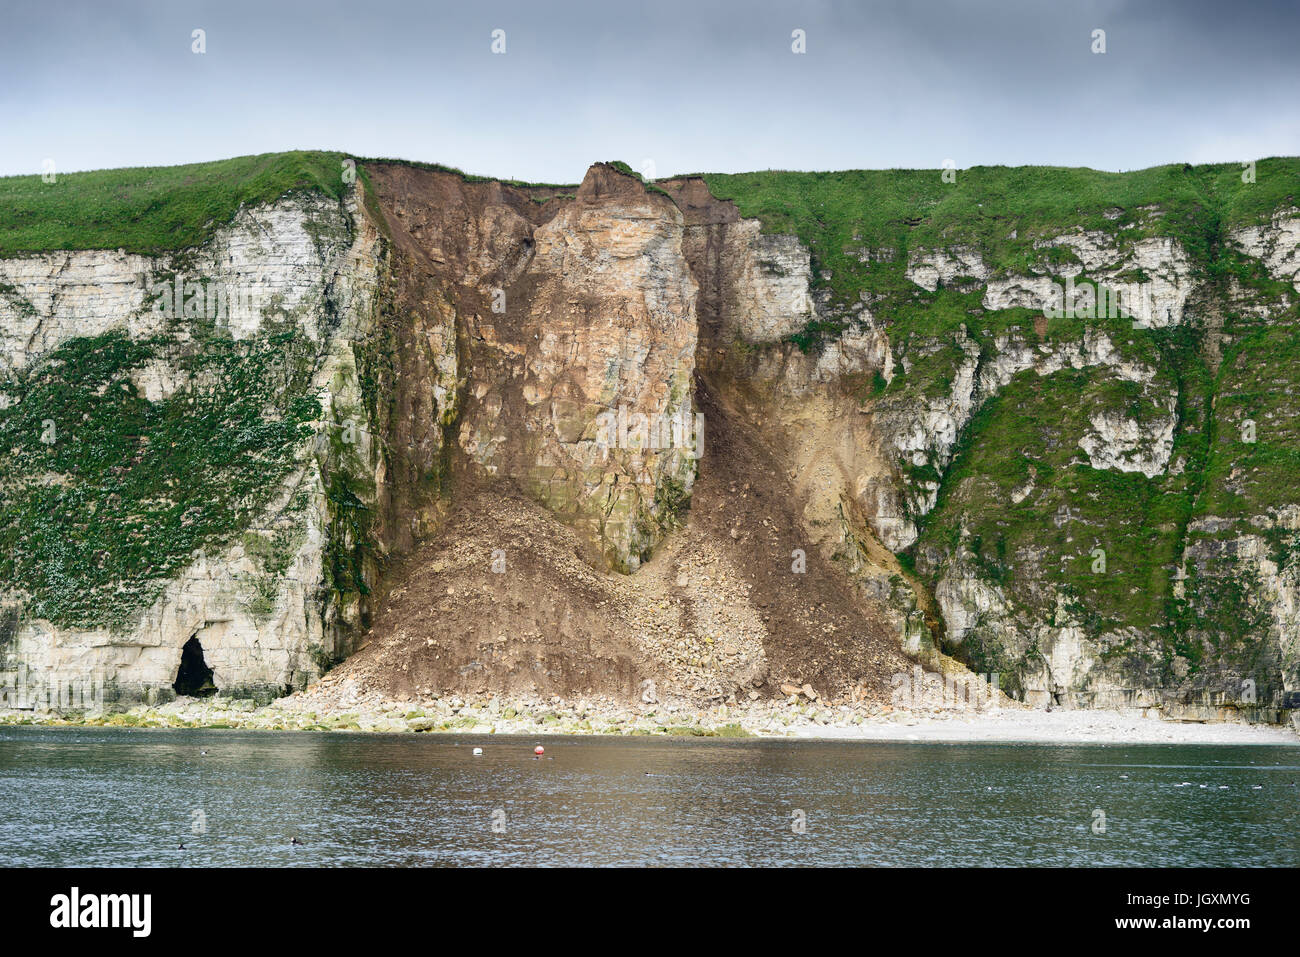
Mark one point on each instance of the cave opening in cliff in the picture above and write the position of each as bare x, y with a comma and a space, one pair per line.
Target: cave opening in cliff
194, 677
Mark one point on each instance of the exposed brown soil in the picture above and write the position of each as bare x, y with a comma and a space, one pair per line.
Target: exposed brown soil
719, 612
819, 631
715, 614
500, 600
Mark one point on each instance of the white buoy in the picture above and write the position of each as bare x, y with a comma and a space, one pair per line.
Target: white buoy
478, 750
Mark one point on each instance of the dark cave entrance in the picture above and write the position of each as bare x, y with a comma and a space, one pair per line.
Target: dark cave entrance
194, 677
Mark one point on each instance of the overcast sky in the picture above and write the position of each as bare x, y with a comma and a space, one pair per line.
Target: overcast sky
691, 85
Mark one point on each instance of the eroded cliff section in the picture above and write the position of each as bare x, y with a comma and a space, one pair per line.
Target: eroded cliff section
576, 323
579, 321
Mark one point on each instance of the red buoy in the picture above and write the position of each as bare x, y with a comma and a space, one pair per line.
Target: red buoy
539, 750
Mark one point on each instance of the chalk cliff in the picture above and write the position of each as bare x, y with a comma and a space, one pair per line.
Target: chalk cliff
622, 435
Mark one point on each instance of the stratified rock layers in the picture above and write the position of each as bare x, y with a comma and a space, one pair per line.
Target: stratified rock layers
980, 489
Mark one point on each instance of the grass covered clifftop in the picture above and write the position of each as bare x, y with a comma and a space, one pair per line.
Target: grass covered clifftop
152, 210
852, 221
162, 209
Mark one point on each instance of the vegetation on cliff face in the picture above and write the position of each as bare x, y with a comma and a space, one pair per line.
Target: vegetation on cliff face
152, 210
1020, 502
1025, 444
107, 495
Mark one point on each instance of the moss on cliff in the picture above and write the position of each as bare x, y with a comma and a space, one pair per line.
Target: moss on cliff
105, 495
1025, 505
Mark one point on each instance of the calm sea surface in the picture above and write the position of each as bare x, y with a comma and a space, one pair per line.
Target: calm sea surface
108, 797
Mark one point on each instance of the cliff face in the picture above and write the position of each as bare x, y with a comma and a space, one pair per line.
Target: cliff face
576, 317
163, 481
613, 437
1128, 562
1082, 493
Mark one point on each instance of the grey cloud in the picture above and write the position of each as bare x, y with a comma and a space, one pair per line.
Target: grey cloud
692, 85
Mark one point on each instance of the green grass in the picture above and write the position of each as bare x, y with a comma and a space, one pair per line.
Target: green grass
1028, 436
1259, 382
152, 210
161, 209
